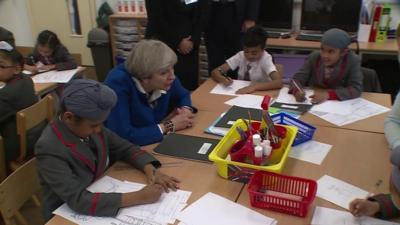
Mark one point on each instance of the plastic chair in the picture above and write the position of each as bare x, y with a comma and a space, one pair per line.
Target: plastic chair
370, 80
27, 119
17, 189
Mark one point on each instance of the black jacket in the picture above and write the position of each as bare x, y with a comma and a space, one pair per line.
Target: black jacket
172, 20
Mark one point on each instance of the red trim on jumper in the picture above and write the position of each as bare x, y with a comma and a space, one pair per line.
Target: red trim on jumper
72, 147
103, 159
95, 198
332, 95
386, 204
137, 154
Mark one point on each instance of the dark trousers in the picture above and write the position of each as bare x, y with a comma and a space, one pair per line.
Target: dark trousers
222, 36
187, 69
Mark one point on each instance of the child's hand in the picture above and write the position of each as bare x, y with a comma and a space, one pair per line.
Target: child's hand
363, 207
47, 67
227, 81
166, 181
300, 96
30, 68
246, 90
150, 193
319, 96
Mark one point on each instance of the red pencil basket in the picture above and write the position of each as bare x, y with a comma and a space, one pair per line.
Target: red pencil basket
286, 194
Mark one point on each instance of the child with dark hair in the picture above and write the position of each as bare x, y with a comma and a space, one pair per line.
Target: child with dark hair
7, 36
49, 54
16, 93
254, 63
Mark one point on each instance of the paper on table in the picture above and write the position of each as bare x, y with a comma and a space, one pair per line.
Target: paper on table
69, 214
324, 216
310, 151
338, 192
336, 107
359, 109
285, 97
230, 90
54, 76
213, 209
247, 101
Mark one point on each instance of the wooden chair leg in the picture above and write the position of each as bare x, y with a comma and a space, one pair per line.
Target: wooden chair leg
35, 200
20, 218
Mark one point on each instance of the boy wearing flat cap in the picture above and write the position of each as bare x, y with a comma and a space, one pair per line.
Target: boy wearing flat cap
334, 71
75, 150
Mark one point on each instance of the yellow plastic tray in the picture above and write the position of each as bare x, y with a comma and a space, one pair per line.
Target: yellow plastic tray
241, 172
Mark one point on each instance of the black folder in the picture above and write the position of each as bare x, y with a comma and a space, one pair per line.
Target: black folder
187, 147
235, 113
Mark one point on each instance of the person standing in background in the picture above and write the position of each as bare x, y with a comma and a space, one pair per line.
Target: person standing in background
228, 20
179, 24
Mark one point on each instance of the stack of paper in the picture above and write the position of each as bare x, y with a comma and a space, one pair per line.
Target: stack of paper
344, 112
247, 101
162, 212
212, 209
332, 216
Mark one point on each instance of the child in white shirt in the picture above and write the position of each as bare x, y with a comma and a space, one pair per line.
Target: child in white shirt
254, 63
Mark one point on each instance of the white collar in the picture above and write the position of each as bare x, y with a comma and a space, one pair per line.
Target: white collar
154, 95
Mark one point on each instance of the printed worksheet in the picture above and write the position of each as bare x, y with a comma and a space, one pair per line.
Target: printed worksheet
247, 101
285, 97
338, 191
310, 151
54, 76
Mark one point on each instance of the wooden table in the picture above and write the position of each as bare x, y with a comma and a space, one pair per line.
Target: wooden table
389, 47
44, 88
359, 158
204, 100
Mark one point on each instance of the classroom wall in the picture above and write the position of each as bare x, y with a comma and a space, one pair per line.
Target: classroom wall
14, 17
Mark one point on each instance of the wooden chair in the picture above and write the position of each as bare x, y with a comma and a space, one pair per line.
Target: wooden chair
3, 172
17, 189
78, 58
27, 119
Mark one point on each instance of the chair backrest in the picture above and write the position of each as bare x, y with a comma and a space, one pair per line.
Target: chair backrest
30, 117
24, 50
370, 80
3, 172
18, 188
78, 58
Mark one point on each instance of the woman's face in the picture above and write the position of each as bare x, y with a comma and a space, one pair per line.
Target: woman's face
161, 80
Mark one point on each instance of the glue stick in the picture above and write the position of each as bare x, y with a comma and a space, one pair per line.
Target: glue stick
258, 155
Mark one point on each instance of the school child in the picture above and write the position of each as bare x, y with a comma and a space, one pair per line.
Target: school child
16, 93
334, 71
49, 54
254, 63
75, 150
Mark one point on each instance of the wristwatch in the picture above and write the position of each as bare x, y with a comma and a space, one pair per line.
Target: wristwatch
169, 126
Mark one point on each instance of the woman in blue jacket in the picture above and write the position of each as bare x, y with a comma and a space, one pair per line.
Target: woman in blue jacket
151, 100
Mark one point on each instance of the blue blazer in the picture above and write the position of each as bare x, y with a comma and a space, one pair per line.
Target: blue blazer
132, 117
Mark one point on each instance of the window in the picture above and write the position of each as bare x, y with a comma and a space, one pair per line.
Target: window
75, 22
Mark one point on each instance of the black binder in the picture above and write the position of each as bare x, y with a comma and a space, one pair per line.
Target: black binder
187, 147
235, 113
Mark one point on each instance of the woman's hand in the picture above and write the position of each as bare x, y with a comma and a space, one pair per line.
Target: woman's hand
182, 119
185, 46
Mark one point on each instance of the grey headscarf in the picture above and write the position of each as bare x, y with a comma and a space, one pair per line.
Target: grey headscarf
89, 99
336, 38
